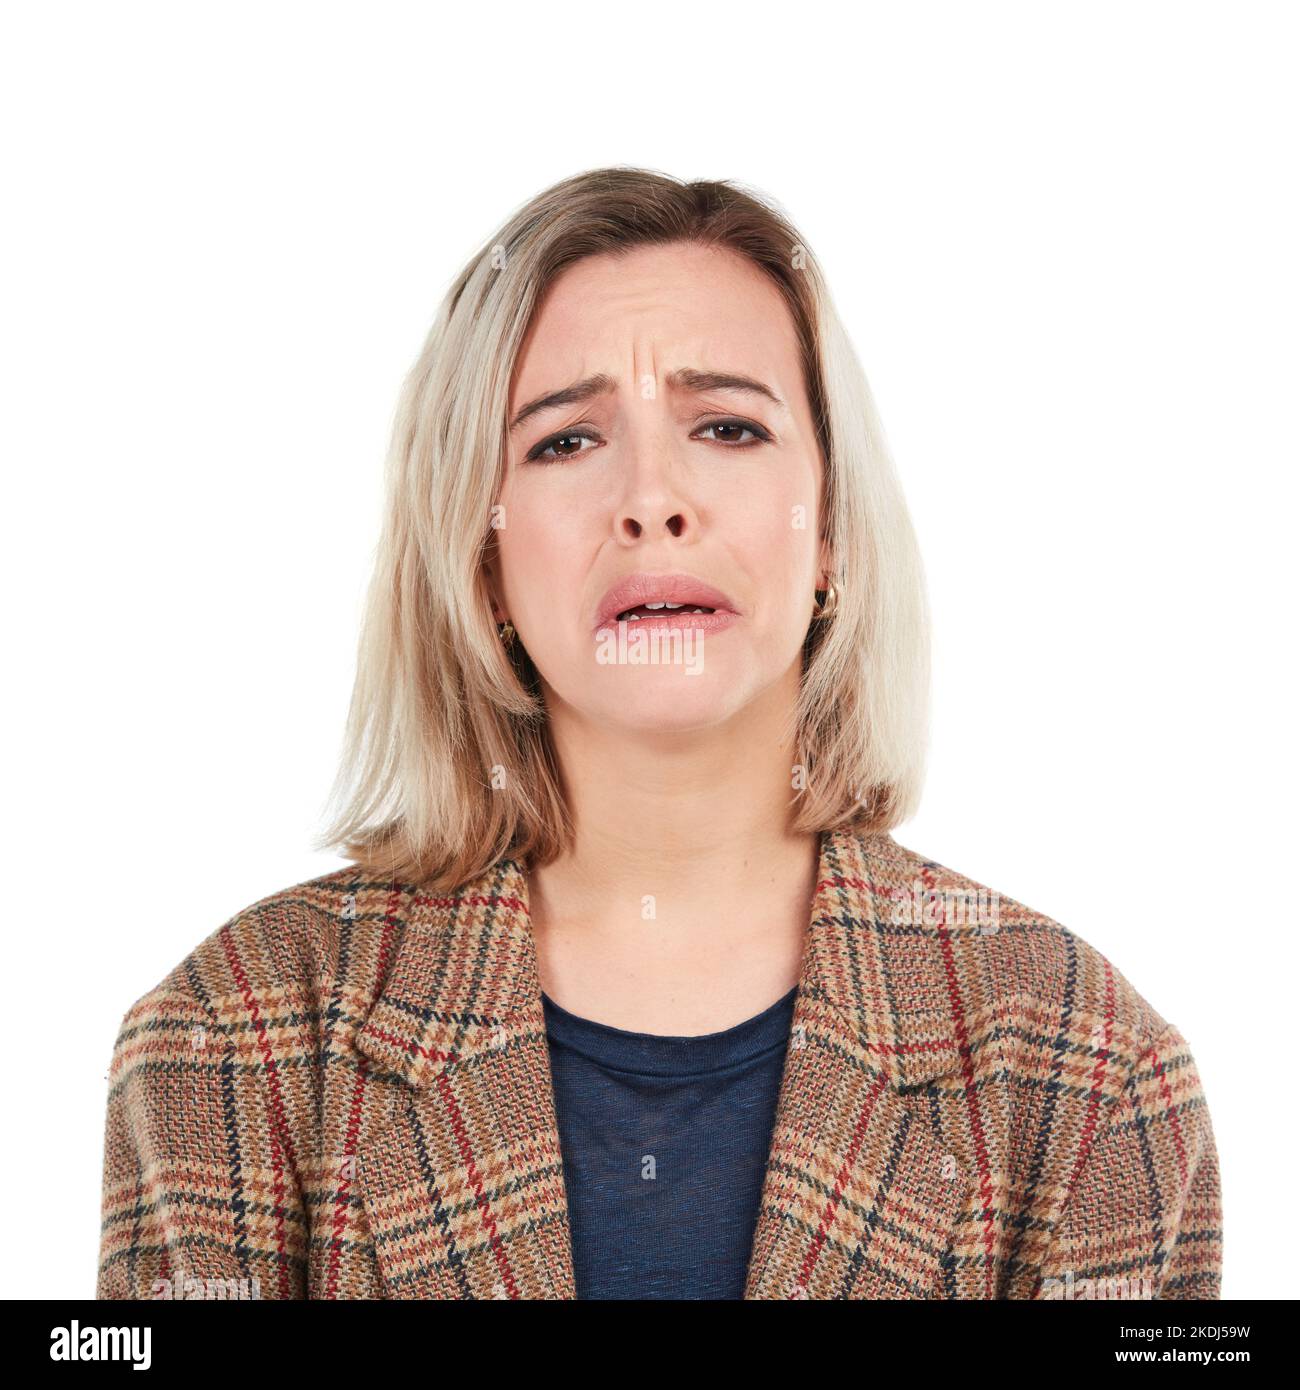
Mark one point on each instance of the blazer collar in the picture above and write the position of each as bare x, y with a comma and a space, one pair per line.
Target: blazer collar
463, 1183
467, 963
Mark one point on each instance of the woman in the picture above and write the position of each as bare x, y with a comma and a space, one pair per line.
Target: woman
628, 991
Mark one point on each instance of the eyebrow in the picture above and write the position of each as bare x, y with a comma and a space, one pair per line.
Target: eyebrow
685, 379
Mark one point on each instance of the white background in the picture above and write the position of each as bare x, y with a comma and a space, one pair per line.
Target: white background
1063, 238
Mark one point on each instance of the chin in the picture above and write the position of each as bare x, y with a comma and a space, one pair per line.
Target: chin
648, 699
666, 701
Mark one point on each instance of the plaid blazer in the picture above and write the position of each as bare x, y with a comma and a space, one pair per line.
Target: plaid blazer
344, 1092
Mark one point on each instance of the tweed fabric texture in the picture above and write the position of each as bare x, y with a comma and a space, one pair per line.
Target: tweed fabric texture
344, 1092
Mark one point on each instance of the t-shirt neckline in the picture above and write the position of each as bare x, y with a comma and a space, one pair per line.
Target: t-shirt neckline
664, 1054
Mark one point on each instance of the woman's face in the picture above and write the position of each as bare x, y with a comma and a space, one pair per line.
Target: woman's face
655, 480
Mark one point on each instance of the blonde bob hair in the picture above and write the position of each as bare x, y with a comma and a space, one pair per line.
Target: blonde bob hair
447, 763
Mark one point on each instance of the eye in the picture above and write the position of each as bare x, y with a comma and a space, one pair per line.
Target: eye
563, 446
568, 443
732, 428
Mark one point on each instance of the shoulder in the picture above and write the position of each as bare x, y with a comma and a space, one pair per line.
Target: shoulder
1039, 1065
288, 952
1030, 995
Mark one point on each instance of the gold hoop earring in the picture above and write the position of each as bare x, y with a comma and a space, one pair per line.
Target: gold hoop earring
827, 607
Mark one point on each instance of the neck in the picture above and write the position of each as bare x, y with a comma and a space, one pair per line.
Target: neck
696, 819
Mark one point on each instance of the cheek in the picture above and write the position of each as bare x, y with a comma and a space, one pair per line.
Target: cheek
541, 547
778, 534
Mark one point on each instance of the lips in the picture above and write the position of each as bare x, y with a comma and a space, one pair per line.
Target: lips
665, 599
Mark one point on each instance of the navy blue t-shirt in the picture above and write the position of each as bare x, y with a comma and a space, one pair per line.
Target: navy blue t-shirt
664, 1142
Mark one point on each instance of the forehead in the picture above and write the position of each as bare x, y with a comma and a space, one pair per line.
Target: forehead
654, 309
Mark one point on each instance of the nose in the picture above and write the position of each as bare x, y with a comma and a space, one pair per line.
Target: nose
653, 505
633, 527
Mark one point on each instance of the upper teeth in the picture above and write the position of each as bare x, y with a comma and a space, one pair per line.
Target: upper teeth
630, 616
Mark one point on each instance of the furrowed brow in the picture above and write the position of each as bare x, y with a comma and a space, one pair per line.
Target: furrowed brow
687, 379
579, 391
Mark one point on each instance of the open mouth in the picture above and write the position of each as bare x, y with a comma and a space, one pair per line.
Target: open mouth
662, 600
646, 610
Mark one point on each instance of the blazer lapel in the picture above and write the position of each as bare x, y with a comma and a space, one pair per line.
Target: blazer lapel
463, 1184
859, 1198
463, 1188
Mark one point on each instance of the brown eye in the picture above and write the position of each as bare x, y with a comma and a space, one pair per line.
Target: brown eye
561, 446
729, 432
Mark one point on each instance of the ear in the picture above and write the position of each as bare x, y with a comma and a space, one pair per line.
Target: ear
492, 587
825, 565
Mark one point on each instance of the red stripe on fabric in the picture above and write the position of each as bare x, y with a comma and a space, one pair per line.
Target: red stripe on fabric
1168, 1096
1098, 1078
477, 900
476, 1180
430, 1054
841, 1181
839, 881
972, 1096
